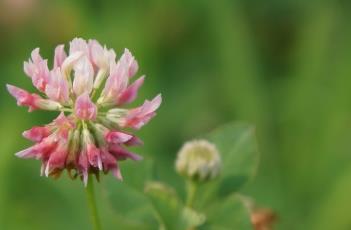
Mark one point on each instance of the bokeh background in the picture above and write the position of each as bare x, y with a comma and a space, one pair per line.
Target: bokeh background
284, 66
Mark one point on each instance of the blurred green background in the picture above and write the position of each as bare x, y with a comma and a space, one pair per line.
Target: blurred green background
284, 66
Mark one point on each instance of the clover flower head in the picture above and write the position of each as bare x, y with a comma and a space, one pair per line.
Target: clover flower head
89, 88
198, 160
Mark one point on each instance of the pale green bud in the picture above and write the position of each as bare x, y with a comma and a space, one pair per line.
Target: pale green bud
47, 104
198, 160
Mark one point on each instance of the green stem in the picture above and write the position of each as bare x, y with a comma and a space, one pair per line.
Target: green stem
191, 187
93, 94
66, 110
92, 204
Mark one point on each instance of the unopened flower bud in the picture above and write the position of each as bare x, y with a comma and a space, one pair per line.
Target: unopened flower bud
47, 104
199, 160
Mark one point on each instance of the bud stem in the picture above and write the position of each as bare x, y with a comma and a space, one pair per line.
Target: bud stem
92, 204
191, 188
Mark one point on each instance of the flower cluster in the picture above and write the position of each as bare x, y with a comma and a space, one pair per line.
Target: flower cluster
89, 88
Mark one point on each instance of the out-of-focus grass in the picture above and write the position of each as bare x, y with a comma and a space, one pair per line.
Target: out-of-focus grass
282, 65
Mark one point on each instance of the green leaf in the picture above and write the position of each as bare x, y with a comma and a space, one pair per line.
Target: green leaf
137, 173
170, 211
237, 145
166, 203
192, 218
227, 214
333, 211
127, 200
129, 205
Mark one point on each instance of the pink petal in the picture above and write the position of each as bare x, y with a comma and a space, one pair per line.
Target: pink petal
57, 88
57, 158
134, 141
116, 172
45, 147
36, 56
97, 52
78, 45
138, 117
37, 133
131, 92
37, 69
62, 121
33, 101
69, 62
131, 62
83, 166
101, 56
26, 153
64, 125
60, 56
84, 76
116, 83
94, 158
117, 137
110, 164
23, 97
41, 150
152, 106
84, 108
122, 154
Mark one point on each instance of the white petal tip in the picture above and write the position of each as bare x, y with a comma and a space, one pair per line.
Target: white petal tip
47, 170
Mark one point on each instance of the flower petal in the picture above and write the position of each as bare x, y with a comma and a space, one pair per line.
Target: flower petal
69, 62
26, 153
131, 92
84, 108
37, 69
138, 117
83, 76
110, 164
60, 56
37, 133
121, 154
40, 150
131, 63
117, 137
94, 157
57, 88
83, 166
116, 83
23, 97
78, 45
93, 153
57, 159
101, 56
134, 141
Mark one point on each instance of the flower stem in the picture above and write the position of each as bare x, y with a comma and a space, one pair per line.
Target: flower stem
92, 204
191, 187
